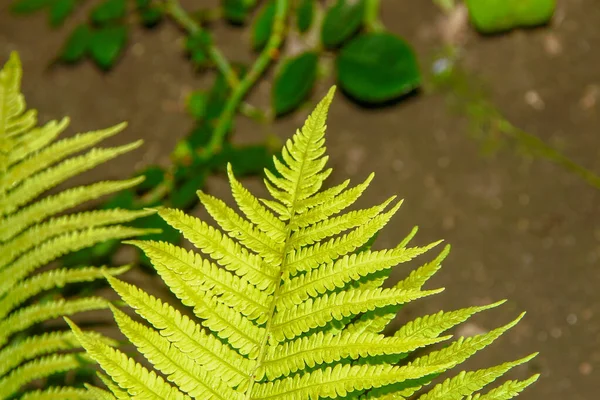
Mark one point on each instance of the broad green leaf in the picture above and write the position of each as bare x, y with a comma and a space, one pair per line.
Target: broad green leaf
77, 44
154, 176
261, 29
184, 196
341, 21
305, 14
196, 45
106, 45
60, 10
108, 11
196, 104
29, 6
491, 16
377, 67
123, 199
149, 13
294, 82
151, 16
236, 11
245, 160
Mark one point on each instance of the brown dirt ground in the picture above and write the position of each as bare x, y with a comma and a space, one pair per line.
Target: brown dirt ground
522, 230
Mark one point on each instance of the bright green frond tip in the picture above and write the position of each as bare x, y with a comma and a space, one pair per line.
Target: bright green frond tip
286, 301
34, 232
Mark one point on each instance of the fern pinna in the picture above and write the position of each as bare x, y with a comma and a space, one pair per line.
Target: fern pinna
288, 303
32, 235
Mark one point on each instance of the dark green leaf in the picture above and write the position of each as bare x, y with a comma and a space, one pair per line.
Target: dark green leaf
196, 45
122, 199
106, 45
294, 82
150, 16
154, 221
79, 258
377, 67
367, 246
77, 44
184, 196
261, 29
246, 160
28, 6
196, 104
235, 11
200, 136
341, 21
305, 14
154, 176
60, 10
108, 11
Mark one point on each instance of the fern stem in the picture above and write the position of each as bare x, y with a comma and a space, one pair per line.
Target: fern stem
257, 69
179, 15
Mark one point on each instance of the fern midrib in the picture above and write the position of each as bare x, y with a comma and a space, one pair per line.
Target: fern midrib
4, 140
263, 347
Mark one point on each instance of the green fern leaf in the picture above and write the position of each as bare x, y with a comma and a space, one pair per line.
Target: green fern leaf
287, 302
32, 235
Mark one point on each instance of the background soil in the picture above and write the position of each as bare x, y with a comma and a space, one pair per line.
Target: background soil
520, 229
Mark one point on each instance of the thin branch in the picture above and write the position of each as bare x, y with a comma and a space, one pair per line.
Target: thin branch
183, 19
261, 63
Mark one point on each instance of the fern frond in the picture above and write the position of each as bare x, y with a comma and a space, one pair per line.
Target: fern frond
34, 346
33, 234
99, 394
287, 300
506, 391
466, 383
38, 368
125, 371
57, 393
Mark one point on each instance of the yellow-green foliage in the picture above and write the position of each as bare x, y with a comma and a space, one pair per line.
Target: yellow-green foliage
32, 235
289, 303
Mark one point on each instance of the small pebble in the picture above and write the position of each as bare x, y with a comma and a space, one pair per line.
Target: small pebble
552, 44
585, 368
534, 99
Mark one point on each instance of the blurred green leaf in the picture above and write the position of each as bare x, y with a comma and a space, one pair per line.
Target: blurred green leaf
123, 199
341, 21
305, 14
235, 11
490, 16
377, 67
150, 16
154, 221
294, 82
60, 10
184, 196
28, 6
245, 160
149, 13
77, 44
106, 44
77, 258
154, 176
196, 45
108, 11
261, 29
196, 104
